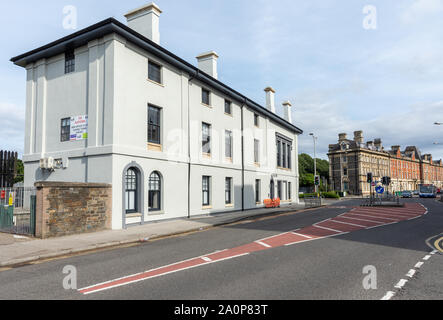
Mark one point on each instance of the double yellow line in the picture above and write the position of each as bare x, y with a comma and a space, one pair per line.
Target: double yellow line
437, 244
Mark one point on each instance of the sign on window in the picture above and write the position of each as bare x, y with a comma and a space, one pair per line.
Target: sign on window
79, 128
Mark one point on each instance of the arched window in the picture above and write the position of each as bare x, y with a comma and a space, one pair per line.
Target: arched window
131, 192
155, 192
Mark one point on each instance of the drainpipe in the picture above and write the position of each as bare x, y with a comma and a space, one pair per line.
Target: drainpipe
192, 77
242, 159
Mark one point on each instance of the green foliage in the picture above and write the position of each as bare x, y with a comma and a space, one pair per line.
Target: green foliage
20, 171
330, 195
306, 170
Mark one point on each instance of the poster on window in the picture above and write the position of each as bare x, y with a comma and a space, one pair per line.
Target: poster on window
79, 128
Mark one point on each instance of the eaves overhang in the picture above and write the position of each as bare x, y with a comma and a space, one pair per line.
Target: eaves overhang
112, 25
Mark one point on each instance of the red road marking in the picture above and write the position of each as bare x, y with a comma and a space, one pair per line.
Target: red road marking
339, 226
351, 221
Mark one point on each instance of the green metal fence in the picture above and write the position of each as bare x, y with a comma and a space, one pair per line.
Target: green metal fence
17, 215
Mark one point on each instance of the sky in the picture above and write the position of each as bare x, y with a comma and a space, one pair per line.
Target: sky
343, 68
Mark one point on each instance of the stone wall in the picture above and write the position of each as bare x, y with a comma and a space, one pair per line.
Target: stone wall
72, 208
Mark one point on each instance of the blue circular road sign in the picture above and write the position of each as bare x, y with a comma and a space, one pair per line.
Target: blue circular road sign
379, 189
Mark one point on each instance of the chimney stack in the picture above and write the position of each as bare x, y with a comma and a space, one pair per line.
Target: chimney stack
287, 109
395, 148
358, 136
270, 99
207, 62
342, 136
146, 21
377, 143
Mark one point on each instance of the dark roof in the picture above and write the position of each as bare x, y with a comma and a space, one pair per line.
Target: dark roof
112, 25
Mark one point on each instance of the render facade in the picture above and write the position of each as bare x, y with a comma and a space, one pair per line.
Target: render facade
153, 125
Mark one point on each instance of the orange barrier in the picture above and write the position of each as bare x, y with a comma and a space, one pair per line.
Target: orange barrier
269, 203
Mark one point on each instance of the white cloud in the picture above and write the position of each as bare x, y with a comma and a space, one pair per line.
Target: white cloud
420, 10
413, 126
12, 124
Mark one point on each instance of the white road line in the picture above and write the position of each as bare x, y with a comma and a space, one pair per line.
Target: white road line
151, 277
426, 257
351, 224
410, 273
388, 295
401, 283
312, 239
206, 259
382, 225
330, 229
434, 252
361, 219
419, 264
263, 244
302, 235
365, 215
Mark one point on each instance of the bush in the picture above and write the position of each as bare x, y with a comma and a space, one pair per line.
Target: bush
330, 195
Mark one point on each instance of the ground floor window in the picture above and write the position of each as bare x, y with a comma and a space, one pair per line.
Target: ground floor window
206, 201
154, 192
257, 191
228, 190
289, 191
279, 191
131, 190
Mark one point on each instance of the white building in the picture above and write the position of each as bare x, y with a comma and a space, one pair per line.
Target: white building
110, 105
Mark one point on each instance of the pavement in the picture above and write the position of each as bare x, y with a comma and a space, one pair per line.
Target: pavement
17, 250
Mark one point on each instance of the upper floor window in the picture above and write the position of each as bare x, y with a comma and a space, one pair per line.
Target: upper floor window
228, 107
65, 129
206, 97
284, 151
69, 61
206, 138
154, 72
256, 151
228, 144
256, 120
154, 114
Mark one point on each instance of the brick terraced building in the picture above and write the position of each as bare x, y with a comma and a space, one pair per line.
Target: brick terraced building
351, 161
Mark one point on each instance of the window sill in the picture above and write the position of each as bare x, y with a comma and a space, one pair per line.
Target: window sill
206, 105
133, 215
155, 82
229, 114
285, 169
206, 207
229, 160
258, 203
229, 205
156, 213
257, 164
155, 147
207, 155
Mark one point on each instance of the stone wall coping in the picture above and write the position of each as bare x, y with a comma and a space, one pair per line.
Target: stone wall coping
56, 184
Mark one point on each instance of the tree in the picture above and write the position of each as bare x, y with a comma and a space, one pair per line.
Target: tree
306, 169
19, 176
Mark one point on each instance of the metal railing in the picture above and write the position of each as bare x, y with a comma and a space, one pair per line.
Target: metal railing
383, 199
17, 210
312, 202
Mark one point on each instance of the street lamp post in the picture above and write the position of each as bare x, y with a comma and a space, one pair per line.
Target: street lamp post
315, 161
438, 123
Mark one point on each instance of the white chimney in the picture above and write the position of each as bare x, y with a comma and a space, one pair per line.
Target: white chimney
287, 109
146, 21
270, 99
207, 62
